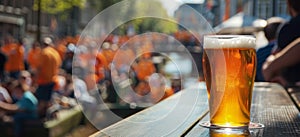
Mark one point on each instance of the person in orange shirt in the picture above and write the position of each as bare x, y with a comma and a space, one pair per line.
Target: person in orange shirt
48, 67
100, 66
15, 54
61, 48
91, 81
123, 59
109, 52
33, 56
144, 68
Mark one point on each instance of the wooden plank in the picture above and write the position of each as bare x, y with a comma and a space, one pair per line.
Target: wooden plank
296, 98
272, 107
171, 117
293, 89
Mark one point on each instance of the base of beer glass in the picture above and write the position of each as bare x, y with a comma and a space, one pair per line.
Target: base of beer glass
252, 125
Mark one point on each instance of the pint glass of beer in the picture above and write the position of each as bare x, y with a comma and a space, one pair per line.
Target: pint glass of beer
229, 65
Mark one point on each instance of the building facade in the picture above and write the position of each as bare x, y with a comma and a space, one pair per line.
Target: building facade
217, 11
19, 19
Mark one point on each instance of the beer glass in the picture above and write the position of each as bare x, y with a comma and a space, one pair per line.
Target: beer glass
229, 65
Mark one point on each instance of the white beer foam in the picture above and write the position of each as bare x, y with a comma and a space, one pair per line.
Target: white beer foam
229, 41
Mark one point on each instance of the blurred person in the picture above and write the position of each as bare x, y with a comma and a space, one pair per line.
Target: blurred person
147, 49
144, 68
21, 43
48, 67
142, 89
61, 47
69, 87
25, 78
60, 82
95, 68
270, 31
89, 101
91, 80
33, 56
290, 31
15, 54
124, 58
68, 60
287, 34
285, 60
24, 109
101, 67
81, 91
107, 52
159, 89
4, 95
3, 59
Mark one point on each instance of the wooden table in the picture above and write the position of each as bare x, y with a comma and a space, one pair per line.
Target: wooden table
180, 115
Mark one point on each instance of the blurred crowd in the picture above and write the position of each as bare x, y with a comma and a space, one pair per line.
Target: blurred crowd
37, 83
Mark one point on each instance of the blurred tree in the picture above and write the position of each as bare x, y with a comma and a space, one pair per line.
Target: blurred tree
66, 10
145, 24
100, 5
58, 6
139, 8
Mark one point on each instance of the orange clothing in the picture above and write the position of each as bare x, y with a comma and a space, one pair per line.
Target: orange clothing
33, 57
15, 54
90, 81
49, 63
144, 69
109, 55
168, 92
61, 49
142, 88
100, 66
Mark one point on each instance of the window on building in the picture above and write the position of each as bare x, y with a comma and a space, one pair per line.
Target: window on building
34, 17
282, 7
19, 4
28, 3
2, 2
10, 2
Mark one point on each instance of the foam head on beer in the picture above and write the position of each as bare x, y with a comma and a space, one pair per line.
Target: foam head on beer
229, 41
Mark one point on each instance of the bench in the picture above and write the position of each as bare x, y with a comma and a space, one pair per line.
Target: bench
66, 121
294, 92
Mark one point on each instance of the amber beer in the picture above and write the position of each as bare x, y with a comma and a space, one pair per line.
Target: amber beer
229, 64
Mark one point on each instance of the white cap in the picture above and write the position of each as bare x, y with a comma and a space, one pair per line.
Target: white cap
105, 45
47, 40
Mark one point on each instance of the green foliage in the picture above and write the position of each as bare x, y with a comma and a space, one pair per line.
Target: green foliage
140, 7
58, 6
146, 24
152, 24
100, 5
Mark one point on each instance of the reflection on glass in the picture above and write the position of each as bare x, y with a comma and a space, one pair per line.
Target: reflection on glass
228, 132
